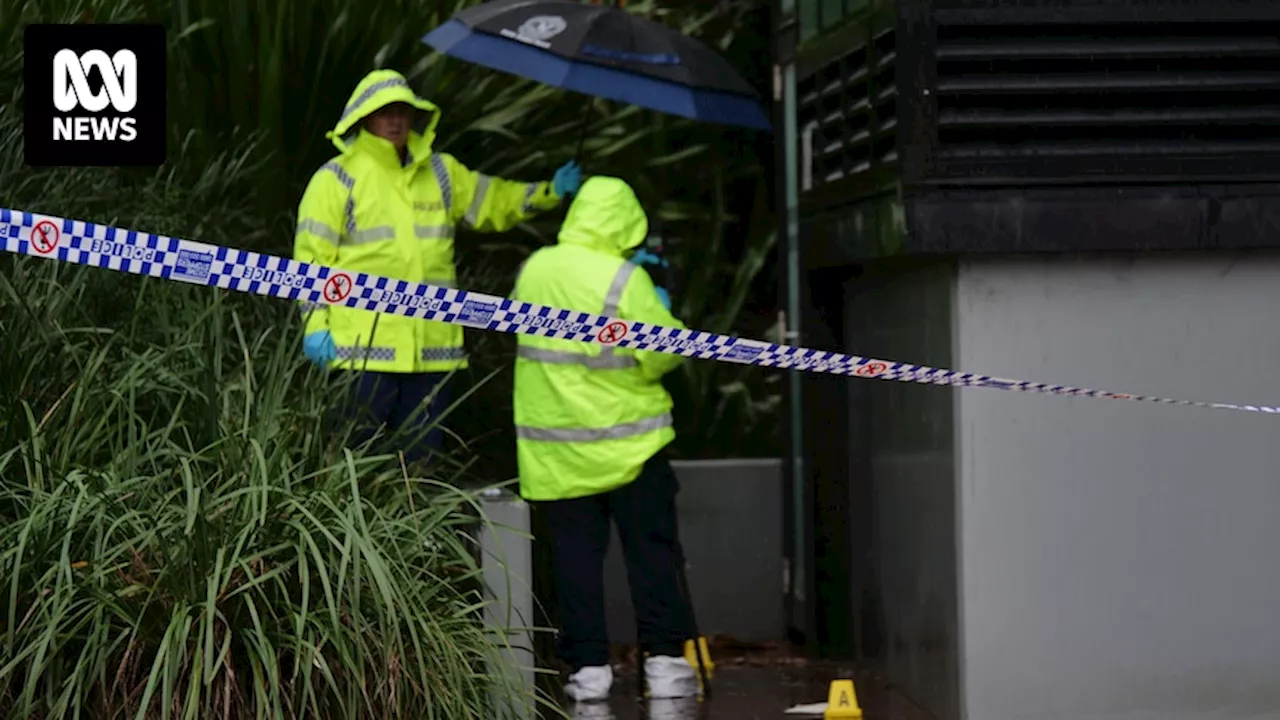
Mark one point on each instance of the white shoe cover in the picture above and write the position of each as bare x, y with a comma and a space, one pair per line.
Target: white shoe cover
590, 683
670, 677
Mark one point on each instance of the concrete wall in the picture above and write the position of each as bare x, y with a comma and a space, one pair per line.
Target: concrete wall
1119, 558
506, 557
902, 445
731, 528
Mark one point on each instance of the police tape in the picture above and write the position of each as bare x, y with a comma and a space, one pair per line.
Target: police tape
147, 254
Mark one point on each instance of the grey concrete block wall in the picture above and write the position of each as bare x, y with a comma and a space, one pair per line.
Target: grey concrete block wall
1113, 560
731, 528
1119, 559
506, 558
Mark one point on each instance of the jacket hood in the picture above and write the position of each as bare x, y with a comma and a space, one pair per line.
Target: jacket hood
377, 90
605, 216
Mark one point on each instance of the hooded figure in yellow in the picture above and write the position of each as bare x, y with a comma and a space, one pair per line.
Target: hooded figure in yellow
389, 205
592, 424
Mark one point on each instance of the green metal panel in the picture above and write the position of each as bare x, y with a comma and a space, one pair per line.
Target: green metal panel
832, 11
822, 20
809, 18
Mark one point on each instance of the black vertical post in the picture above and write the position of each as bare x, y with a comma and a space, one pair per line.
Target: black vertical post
795, 539
827, 437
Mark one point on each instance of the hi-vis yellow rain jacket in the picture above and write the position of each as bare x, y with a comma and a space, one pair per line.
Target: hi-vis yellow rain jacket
363, 211
588, 417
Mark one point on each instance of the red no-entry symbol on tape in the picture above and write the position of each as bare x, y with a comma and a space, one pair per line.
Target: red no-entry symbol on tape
871, 369
44, 237
613, 332
337, 288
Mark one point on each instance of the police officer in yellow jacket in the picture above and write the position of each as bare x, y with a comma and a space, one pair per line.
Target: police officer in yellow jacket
592, 423
389, 205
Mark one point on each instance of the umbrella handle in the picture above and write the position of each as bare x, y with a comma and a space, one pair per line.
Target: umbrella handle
582, 135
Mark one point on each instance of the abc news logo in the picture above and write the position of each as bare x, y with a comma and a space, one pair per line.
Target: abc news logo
71, 91
95, 95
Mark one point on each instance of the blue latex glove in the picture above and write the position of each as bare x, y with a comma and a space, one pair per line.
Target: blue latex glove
643, 257
664, 298
568, 179
319, 348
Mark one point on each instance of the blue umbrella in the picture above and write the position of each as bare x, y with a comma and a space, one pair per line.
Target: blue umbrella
604, 52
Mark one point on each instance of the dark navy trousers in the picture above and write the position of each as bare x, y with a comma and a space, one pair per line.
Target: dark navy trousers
645, 513
405, 404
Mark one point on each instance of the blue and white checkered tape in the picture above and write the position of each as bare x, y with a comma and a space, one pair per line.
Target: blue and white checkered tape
140, 253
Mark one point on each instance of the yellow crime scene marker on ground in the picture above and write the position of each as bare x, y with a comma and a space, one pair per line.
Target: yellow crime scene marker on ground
708, 666
842, 701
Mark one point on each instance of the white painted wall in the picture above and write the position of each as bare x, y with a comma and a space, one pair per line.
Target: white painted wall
1119, 560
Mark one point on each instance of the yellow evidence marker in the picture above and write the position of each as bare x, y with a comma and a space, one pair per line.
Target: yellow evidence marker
842, 702
691, 657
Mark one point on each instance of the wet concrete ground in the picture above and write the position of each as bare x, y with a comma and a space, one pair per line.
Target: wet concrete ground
752, 684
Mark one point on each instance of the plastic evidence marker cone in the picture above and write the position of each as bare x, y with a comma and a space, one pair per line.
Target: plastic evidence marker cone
691, 657
842, 701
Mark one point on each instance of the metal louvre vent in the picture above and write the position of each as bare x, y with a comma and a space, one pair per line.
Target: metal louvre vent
1134, 90
847, 114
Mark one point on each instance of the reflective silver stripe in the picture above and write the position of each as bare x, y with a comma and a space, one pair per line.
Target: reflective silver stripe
614, 296
373, 234
315, 227
349, 183
343, 177
613, 432
306, 306
433, 232
446, 353
564, 357
361, 352
442, 177
477, 202
441, 282
529, 191
368, 93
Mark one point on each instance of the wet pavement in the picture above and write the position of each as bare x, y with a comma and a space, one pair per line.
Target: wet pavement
758, 683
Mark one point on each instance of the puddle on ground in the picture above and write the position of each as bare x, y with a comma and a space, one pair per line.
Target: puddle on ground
751, 682
751, 693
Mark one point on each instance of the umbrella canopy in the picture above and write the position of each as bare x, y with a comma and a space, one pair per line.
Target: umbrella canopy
605, 52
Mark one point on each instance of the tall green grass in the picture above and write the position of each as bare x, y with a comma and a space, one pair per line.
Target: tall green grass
183, 534
184, 531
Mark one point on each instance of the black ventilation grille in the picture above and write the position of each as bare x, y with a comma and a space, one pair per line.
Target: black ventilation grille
1125, 91
847, 113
